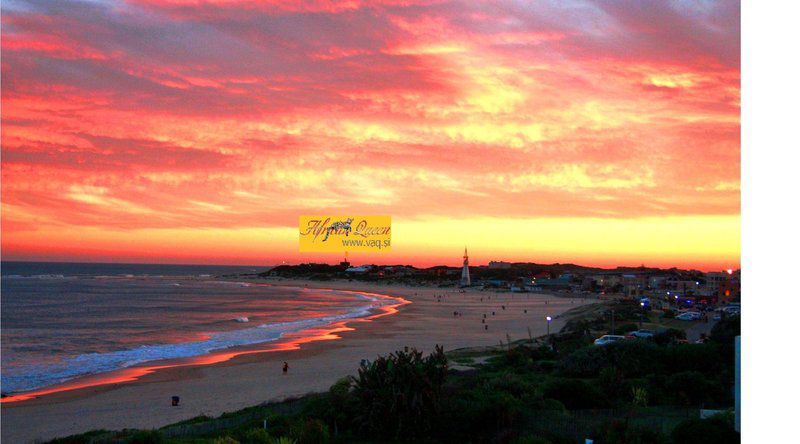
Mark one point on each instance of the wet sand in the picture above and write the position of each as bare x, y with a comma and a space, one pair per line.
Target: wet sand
316, 360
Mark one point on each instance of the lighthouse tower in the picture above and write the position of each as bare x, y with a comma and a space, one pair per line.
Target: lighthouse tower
465, 282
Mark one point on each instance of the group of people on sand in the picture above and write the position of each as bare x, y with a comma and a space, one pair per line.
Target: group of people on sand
457, 313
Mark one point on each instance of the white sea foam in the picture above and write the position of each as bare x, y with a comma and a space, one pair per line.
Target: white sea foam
38, 276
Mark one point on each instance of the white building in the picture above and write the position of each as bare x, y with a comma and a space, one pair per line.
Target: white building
465, 281
716, 280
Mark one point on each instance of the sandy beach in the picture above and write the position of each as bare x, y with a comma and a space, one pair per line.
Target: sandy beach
250, 379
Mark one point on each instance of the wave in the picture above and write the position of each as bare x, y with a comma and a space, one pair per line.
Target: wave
29, 377
38, 276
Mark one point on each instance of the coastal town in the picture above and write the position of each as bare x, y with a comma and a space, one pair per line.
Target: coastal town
662, 289
663, 300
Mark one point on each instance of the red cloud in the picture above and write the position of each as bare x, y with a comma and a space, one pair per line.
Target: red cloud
238, 114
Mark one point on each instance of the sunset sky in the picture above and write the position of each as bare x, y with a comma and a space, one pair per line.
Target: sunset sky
601, 133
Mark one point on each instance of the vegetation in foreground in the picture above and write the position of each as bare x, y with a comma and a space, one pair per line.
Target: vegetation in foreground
559, 390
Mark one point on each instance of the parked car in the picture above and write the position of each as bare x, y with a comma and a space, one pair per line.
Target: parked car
608, 339
689, 316
732, 310
643, 334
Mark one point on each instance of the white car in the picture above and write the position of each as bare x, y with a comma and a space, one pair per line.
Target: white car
689, 316
608, 339
643, 334
732, 310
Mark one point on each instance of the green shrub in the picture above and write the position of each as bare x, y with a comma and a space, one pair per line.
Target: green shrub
475, 415
507, 409
709, 359
398, 396
632, 358
693, 388
312, 431
639, 396
516, 357
574, 393
579, 327
619, 431
513, 384
278, 425
725, 330
566, 345
546, 365
335, 408
256, 436
93, 436
669, 336
584, 363
537, 401
523, 356
612, 383
704, 431
341, 388
144, 437
225, 440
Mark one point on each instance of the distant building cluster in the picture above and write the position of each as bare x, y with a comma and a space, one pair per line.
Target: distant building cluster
686, 285
499, 265
683, 286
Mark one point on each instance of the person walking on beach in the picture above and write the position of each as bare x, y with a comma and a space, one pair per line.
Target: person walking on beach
285, 367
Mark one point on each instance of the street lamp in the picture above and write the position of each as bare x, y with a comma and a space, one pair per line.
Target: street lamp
549, 319
641, 316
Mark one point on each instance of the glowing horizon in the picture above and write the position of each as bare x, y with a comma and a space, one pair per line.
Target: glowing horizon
185, 131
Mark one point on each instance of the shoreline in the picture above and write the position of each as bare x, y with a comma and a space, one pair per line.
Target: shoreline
287, 342
317, 361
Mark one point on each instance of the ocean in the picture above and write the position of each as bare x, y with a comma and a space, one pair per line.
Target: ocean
61, 321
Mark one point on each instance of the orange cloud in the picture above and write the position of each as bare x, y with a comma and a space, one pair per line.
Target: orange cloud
242, 115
